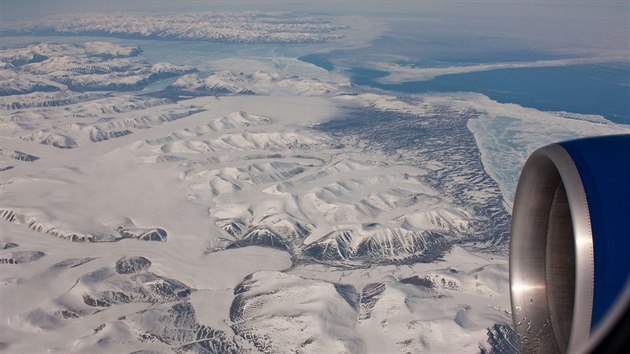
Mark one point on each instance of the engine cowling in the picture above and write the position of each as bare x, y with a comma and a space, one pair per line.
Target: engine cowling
570, 247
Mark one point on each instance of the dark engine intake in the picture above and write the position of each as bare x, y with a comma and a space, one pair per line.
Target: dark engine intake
570, 248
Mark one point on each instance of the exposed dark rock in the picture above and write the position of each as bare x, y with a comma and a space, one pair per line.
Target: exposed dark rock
129, 265
177, 326
8, 91
442, 136
22, 156
502, 340
91, 301
260, 236
348, 293
418, 281
156, 234
68, 314
72, 262
7, 245
99, 135
370, 295
21, 257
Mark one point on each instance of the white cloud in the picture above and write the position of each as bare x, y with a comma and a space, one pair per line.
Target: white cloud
399, 73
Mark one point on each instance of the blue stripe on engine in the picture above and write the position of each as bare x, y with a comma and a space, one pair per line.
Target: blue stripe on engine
604, 166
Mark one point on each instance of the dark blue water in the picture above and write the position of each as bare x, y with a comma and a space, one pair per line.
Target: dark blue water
318, 59
602, 89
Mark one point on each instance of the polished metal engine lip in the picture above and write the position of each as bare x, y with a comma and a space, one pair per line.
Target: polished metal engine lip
528, 288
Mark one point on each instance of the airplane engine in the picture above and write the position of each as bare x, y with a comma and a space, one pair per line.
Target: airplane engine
570, 248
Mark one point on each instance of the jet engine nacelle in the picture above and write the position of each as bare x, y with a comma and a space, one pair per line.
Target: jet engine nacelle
570, 247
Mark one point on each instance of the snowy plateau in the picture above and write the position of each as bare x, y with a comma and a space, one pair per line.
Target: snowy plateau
156, 207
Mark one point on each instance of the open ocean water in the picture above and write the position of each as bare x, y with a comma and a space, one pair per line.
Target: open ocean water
602, 89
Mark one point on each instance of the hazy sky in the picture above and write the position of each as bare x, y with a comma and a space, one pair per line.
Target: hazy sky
12, 9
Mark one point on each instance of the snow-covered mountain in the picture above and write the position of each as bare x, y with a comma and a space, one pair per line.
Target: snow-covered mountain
251, 211
93, 66
243, 27
224, 83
